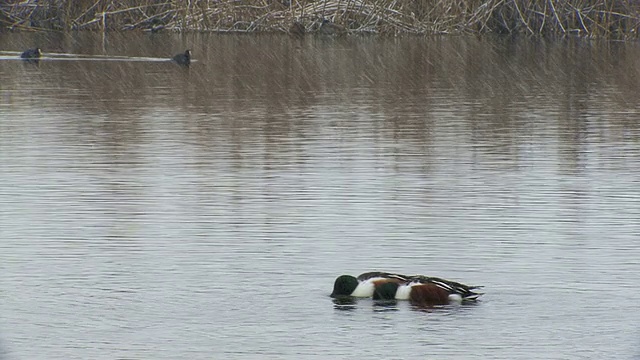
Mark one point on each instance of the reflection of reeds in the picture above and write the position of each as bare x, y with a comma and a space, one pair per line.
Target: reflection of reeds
584, 17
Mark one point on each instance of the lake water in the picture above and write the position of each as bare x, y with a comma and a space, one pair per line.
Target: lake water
151, 211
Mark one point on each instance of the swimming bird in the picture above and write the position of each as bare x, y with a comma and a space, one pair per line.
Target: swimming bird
427, 291
34, 53
183, 58
364, 284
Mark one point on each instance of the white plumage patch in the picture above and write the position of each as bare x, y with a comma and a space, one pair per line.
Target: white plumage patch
404, 291
365, 288
455, 298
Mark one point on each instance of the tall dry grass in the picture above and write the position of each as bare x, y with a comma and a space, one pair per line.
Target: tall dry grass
606, 18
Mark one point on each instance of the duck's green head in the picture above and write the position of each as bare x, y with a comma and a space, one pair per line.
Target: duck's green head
386, 291
344, 285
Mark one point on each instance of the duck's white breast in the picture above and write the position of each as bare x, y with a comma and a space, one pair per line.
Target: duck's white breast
365, 288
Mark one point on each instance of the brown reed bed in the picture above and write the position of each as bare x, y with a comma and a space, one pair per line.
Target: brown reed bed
598, 18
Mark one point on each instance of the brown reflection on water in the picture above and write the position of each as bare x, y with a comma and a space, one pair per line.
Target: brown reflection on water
498, 90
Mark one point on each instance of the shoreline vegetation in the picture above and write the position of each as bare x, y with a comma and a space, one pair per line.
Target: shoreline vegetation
591, 18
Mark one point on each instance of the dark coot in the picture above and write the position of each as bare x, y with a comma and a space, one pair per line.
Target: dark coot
183, 59
31, 53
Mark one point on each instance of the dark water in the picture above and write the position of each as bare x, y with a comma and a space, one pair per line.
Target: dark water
150, 211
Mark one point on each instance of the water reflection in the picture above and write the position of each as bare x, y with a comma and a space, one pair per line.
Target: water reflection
165, 210
385, 305
414, 84
345, 303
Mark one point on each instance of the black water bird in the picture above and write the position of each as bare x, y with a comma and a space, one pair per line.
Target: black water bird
34, 53
183, 59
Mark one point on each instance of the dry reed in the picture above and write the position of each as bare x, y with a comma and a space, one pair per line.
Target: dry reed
602, 18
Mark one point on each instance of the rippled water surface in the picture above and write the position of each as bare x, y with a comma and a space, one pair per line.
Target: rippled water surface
152, 211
